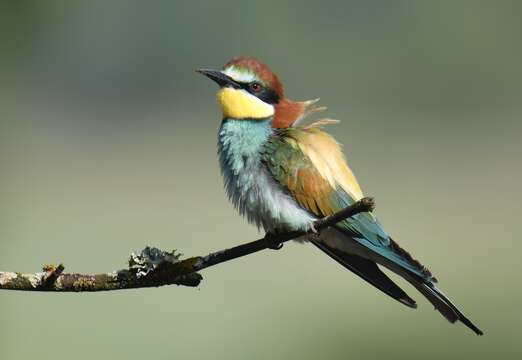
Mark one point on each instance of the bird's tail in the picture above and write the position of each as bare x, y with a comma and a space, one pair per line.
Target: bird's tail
444, 305
427, 288
400, 262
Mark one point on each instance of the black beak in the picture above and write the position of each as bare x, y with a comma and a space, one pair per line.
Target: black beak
220, 78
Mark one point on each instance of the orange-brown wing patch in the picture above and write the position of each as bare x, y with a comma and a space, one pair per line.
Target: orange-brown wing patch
304, 162
326, 156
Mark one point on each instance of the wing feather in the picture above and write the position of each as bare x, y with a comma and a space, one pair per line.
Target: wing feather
309, 164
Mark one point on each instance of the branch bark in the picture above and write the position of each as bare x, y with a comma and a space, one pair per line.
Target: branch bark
153, 267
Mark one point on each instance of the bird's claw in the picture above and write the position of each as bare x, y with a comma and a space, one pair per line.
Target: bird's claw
272, 242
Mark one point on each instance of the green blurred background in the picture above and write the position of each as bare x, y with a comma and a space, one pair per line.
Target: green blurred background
108, 143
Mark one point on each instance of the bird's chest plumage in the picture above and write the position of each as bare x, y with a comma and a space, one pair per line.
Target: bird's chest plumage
248, 183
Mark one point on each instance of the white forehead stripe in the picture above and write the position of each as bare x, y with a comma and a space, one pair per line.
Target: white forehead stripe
240, 74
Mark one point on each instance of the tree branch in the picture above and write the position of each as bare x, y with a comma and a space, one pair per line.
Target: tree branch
153, 267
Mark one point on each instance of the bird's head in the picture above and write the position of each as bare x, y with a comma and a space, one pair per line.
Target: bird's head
248, 89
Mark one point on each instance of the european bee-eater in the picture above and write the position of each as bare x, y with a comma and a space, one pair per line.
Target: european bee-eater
283, 172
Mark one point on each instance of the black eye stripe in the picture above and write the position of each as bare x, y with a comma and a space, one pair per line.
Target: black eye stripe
267, 95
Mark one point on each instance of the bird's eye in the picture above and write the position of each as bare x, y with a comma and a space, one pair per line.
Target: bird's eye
255, 87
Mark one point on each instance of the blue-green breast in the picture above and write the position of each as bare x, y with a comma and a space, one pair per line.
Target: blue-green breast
249, 185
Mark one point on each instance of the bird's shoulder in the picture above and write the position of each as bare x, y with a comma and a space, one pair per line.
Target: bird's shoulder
309, 163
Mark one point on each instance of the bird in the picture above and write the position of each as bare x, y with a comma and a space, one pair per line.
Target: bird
283, 171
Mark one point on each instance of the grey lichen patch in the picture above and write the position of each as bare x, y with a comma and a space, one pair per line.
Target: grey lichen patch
35, 279
7, 277
155, 267
150, 258
16, 281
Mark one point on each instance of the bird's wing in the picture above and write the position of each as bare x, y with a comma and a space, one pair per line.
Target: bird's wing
309, 165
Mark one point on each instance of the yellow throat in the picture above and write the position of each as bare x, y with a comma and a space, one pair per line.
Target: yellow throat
239, 104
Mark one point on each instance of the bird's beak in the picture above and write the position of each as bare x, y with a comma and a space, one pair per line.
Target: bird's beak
220, 78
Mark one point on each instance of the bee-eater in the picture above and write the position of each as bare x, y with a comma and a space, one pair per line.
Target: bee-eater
283, 173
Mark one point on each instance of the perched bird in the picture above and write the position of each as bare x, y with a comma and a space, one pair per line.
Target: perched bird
283, 172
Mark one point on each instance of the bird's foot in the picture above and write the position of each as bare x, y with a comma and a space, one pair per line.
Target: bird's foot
272, 242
